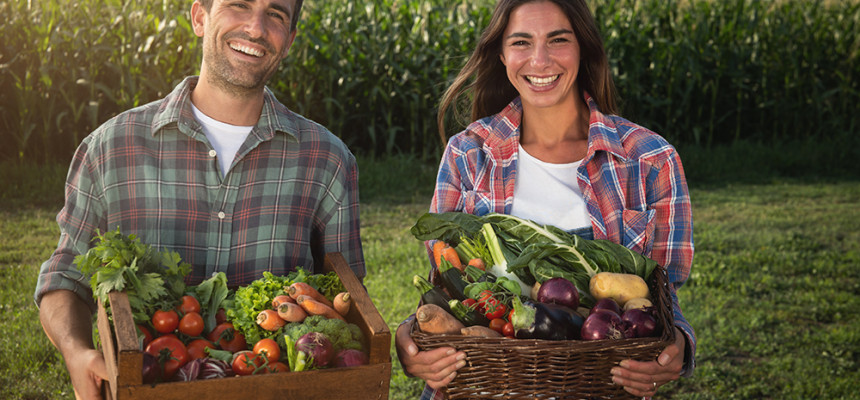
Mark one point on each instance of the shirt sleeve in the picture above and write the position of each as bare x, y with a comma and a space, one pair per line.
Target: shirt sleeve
673, 241
340, 217
81, 215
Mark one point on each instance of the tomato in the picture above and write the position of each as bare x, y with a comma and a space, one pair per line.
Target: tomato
189, 305
278, 366
270, 348
197, 348
471, 303
191, 324
165, 321
508, 330
245, 362
228, 338
145, 335
493, 308
170, 352
220, 316
497, 324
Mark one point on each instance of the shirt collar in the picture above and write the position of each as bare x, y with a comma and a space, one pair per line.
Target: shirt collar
176, 108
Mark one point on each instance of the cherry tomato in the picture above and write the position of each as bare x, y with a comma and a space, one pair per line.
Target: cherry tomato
508, 330
189, 304
278, 366
493, 308
471, 303
497, 324
170, 352
165, 321
191, 324
226, 336
245, 362
270, 347
197, 348
220, 316
144, 336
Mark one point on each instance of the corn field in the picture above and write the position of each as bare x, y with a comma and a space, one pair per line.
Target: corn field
699, 72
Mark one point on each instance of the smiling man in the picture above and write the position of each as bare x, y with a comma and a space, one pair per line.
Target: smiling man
218, 171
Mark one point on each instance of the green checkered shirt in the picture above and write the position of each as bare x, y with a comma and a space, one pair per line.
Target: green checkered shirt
290, 196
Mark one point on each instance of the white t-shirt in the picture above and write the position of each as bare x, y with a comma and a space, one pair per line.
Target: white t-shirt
224, 138
548, 193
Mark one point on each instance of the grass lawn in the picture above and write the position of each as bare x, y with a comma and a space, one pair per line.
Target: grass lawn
773, 295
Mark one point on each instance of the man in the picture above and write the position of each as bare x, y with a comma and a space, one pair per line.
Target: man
218, 171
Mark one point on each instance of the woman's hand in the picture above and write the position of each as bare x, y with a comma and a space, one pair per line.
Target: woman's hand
437, 367
642, 378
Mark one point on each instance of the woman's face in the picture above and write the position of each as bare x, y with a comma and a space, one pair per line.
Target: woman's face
541, 54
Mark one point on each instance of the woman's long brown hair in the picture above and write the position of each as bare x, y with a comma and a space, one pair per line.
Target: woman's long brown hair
483, 79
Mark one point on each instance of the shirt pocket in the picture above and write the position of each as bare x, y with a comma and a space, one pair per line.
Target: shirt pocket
638, 230
477, 202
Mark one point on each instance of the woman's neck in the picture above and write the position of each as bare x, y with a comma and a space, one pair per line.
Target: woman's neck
557, 134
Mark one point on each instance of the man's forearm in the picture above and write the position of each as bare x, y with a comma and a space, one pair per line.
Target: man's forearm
67, 321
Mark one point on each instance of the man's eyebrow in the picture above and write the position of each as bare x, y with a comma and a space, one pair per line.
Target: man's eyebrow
281, 8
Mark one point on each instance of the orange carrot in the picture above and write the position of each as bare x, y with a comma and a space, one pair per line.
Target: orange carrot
313, 307
301, 288
291, 312
478, 263
437, 252
442, 249
342, 302
282, 299
270, 320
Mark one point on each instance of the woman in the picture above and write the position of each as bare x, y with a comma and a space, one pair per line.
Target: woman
543, 109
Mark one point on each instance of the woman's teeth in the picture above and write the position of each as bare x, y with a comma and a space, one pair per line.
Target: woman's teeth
541, 81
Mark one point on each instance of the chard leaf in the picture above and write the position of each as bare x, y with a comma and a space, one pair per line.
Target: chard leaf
448, 227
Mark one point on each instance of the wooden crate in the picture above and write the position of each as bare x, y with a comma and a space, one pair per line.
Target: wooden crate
125, 361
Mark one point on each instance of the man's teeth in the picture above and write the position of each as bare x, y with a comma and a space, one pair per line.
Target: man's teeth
542, 81
246, 50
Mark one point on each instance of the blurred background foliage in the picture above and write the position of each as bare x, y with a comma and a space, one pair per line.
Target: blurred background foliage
702, 73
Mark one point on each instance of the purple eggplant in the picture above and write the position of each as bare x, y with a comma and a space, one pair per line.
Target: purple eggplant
535, 320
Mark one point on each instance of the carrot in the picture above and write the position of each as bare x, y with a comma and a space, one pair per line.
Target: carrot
480, 331
291, 312
478, 263
342, 303
437, 251
269, 320
282, 299
435, 320
301, 288
313, 307
442, 249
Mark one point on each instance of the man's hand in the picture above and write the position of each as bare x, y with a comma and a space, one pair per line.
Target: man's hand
87, 369
642, 379
437, 367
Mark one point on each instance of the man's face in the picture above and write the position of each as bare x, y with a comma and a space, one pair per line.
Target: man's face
244, 41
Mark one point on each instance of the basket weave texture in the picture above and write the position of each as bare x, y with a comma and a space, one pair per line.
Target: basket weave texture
503, 368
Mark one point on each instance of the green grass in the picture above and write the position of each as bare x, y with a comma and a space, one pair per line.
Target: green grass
773, 294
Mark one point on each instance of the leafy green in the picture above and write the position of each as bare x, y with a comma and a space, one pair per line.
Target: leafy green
211, 293
152, 280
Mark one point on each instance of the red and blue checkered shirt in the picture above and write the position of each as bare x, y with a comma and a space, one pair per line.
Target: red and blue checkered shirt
290, 196
631, 179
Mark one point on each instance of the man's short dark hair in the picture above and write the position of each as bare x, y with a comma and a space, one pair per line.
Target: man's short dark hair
294, 19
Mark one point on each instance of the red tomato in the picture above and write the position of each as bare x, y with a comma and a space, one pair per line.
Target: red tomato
197, 348
228, 338
246, 362
497, 324
493, 308
171, 352
165, 321
471, 303
191, 324
278, 366
189, 304
144, 335
508, 330
270, 347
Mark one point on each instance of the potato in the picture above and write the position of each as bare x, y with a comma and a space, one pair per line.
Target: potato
618, 287
639, 302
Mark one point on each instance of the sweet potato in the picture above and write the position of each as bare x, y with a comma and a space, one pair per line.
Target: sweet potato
639, 302
618, 287
480, 331
435, 320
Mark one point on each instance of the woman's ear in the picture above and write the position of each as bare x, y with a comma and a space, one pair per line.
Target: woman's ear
502, 57
198, 18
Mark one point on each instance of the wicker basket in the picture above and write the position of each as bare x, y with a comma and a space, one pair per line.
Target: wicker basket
501, 368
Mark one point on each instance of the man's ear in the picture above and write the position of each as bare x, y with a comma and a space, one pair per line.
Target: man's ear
289, 43
198, 18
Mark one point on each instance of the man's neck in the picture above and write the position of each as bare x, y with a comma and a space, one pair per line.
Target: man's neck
229, 107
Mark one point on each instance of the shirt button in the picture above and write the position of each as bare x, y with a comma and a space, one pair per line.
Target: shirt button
212, 153
221, 215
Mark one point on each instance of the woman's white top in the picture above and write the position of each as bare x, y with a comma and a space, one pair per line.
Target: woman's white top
224, 138
548, 193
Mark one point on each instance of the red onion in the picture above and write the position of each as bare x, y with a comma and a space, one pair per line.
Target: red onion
606, 304
642, 323
316, 345
558, 291
603, 325
350, 358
